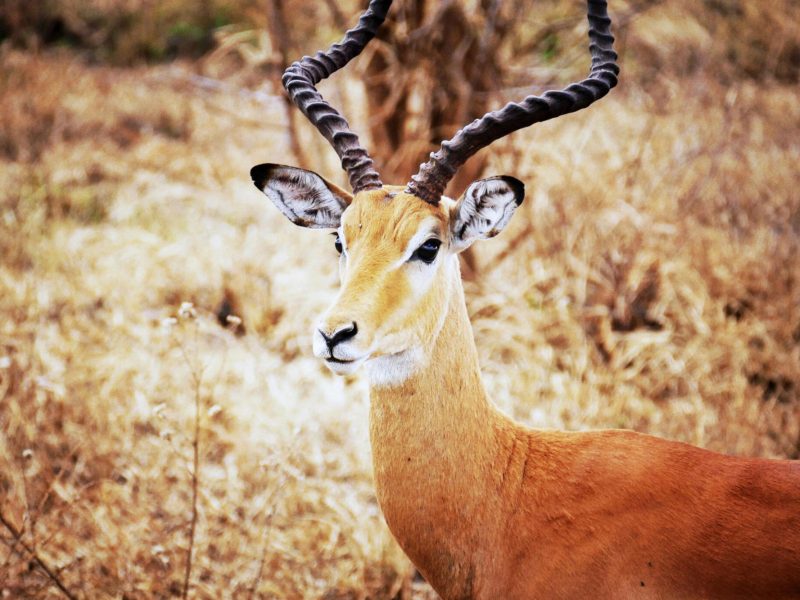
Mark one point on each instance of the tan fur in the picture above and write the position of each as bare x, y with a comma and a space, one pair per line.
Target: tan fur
487, 508
377, 229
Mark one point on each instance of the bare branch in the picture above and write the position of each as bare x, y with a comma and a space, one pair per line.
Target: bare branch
50, 573
279, 35
197, 379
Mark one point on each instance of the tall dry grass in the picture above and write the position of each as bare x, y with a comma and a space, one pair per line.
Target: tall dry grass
651, 281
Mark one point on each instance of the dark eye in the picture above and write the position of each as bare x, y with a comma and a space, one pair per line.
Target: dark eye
337, 243
428, 251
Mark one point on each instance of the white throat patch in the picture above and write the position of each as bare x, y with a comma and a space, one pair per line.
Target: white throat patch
394, 369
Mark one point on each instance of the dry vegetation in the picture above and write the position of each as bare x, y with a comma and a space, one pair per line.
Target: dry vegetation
651, 281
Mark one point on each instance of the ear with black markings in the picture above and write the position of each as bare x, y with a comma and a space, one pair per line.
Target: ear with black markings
303, 196
485, 209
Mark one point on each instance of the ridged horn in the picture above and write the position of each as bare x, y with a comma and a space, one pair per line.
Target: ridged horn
433, 176
301, 77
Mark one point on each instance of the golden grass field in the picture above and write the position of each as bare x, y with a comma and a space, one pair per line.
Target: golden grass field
650, 281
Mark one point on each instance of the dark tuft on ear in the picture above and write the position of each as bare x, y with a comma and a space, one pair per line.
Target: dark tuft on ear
517, 186
260, 173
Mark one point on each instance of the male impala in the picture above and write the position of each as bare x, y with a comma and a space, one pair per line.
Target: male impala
483, 506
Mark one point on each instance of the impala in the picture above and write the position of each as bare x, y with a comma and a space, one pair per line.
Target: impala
483, 506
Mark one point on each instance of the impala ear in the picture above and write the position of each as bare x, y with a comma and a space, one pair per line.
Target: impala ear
303, 196
485, 209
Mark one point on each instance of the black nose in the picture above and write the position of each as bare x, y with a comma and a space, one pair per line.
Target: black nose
344, 334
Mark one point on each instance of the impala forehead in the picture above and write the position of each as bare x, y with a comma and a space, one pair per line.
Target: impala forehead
386, 219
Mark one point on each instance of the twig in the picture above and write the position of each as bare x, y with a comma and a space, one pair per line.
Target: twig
51, 575
195, 463
279, 34
271, 505
193, 524
187, 312
336, 13
263, 561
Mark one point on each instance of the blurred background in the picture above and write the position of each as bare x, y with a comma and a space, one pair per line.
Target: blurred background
164, 429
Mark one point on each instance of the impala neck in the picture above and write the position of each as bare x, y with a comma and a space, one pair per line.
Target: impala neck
434, 439
444, 393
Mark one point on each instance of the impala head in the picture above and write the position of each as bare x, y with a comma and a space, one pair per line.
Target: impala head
398, 244
396, 256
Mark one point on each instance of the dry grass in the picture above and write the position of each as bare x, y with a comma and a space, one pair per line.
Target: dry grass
650, 281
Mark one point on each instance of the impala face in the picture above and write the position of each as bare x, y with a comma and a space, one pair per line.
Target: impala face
397, 257
397, 253
391, 263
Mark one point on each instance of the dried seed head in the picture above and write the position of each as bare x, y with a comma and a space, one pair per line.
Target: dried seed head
187, 311
161, 554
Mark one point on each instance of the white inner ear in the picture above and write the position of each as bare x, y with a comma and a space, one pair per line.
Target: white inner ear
483, 211
305, 198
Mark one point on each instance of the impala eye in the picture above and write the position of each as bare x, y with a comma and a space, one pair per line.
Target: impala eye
337, 243
427, 252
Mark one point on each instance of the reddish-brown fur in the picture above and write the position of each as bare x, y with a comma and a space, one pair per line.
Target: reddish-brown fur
487, 508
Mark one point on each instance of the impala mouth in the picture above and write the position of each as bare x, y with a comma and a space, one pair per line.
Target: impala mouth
344, 366
339, 361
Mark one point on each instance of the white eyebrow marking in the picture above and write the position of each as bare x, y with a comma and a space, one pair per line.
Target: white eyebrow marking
428, 228
340, 233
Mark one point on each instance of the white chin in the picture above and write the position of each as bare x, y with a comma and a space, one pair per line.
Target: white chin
345, 368
393, 369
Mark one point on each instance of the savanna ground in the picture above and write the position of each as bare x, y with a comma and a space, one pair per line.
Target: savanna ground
650, 281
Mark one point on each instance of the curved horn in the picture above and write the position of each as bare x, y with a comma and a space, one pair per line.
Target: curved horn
301, 77
433, 176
